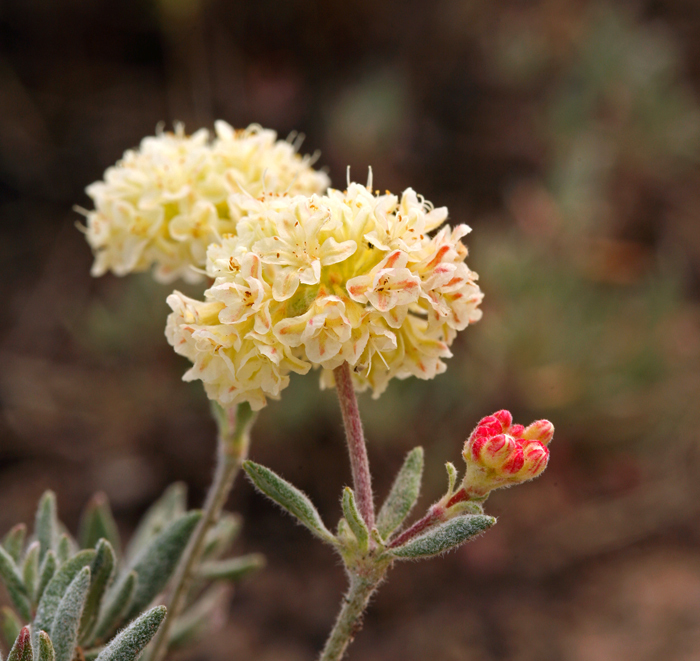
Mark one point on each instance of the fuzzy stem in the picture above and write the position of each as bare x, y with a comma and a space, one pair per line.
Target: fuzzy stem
349, 620
359, 463
233, 442
433, 516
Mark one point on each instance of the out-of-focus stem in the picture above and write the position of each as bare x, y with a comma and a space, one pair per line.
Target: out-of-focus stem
234, 440
359, 463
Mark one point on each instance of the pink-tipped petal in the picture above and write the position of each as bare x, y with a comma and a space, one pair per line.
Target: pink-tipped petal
536, 457
516, 430
541, 430
505, 418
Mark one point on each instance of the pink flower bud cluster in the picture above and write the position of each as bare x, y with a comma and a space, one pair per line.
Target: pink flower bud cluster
499, 453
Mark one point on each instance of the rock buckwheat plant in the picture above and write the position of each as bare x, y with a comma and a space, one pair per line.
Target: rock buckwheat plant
363, 286
76, 594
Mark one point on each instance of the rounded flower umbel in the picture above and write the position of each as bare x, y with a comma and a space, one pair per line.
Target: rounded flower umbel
163, 204
316, 281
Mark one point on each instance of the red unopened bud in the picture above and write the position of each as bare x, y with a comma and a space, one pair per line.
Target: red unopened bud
536, 456
516, 430
505, 418
514, 464
541, 430
494, 452
487, 427
499, 453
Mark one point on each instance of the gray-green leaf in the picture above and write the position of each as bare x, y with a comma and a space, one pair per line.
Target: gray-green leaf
403, 495
97, 522
157, 561
200, 618
64, 629
354, 518
50, 600
232, 569
444, 537
171, 505
46, 573
13, 542
30, 569
92, 653
14, 584
130, 642
63, 549
117, 603
10, 625
46, 525
289, 498
221, 536
46, 649
101, 569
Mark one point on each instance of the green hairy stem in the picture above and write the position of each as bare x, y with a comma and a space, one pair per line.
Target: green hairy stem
233, 443
349, 620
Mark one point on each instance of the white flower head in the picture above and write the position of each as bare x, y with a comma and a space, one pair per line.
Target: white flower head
350, 276
164, 203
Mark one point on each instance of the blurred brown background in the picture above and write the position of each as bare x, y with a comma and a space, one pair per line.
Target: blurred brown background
567, 133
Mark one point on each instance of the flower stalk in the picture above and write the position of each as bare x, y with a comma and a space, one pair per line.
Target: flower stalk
357, 449
234, 425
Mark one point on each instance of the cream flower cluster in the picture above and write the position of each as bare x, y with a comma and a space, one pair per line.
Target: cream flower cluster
319, 280
162, 205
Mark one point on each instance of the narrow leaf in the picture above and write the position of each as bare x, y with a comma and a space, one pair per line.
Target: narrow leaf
451, 477
46, 525
343, 532
10, 625
46, 649
46, 573
354, 518
200, 619
15, 585
289, 498
56, 588
92, 653
130, 642
232, 569
117, 602
377, 539
22, 649
158, 560
97, 522
170, 506
13, 542
101, 570
64, 629
221, 536
63, 549
403, 495
444, 537
30, 569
